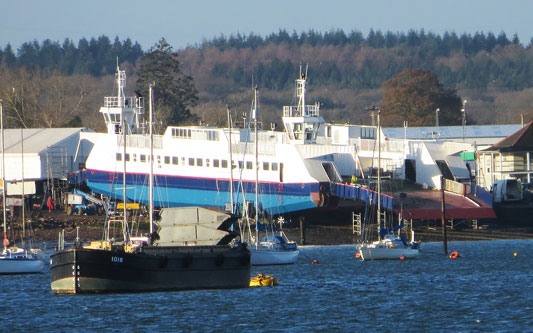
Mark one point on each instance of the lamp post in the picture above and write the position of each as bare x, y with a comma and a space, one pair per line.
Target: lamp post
437, 117
464, 119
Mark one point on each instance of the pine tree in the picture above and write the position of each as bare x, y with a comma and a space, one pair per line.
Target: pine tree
174, 92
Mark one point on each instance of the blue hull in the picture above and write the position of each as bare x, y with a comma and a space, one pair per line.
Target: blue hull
173, 191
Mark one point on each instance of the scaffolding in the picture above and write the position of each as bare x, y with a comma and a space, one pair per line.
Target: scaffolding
57, 169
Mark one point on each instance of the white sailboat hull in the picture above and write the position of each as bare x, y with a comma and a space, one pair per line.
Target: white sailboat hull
272, 257
20, 266
387, 253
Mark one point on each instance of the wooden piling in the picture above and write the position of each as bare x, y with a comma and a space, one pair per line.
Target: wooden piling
302, 230
443, 209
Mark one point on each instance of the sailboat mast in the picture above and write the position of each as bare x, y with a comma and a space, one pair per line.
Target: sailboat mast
22, 179
230, 162
123, 126
379, 176
4, 192
256, 169
151, 125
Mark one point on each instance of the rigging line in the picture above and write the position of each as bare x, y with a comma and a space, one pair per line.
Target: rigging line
240, 184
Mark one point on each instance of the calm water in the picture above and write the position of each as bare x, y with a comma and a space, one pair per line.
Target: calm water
487, 289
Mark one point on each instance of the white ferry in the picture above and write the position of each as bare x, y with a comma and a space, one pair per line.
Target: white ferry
192, 164
306, 166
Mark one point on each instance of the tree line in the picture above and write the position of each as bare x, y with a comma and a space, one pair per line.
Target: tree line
476, 61
480, 61
434, 44
347, 73
97, 56
33, 97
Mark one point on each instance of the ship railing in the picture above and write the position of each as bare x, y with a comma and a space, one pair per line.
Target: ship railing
266, 148
457, 187
118, 102
390, 145
296, 111
140, 141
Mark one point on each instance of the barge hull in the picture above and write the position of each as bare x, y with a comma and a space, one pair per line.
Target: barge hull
86, 271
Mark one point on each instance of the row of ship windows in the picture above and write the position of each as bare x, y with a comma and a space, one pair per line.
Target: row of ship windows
190, 161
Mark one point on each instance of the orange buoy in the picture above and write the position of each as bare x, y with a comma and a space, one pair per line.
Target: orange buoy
357, 255
454, 255
402, 257
314, 262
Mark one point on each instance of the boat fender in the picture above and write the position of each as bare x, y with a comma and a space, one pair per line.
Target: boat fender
326, 200
357, 255
219, 260
245, 259
187, 261
454, 255
321, 200
163, 262
402, 257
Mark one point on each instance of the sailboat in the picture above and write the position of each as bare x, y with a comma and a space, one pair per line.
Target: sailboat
123, 265
389, 245
273, 249
14, 260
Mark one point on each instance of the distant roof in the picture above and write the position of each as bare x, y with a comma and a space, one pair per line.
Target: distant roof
521, 140
36, 139
451, 132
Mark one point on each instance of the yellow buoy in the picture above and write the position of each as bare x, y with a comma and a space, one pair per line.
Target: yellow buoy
515, 254
263, 280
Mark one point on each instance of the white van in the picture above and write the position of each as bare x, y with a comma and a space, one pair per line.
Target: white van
506, 190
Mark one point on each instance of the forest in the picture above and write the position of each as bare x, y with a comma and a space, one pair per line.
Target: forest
52, 84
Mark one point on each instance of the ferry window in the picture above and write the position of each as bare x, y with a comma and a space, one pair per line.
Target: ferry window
134, 157
199, 162
249, 165
191, 161
224, 163
167, 159
266, 166
216, 163
127, 157
175, 160
274, 166
142, 158
207, 162
119, 157
241, 165
212, 135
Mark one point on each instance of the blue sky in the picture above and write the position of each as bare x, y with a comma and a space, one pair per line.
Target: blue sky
185, 23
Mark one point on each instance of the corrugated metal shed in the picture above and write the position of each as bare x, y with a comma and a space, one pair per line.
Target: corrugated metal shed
44, 152
36, 140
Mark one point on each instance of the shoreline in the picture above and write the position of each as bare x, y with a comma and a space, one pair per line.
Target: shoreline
314, 235
49, 225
